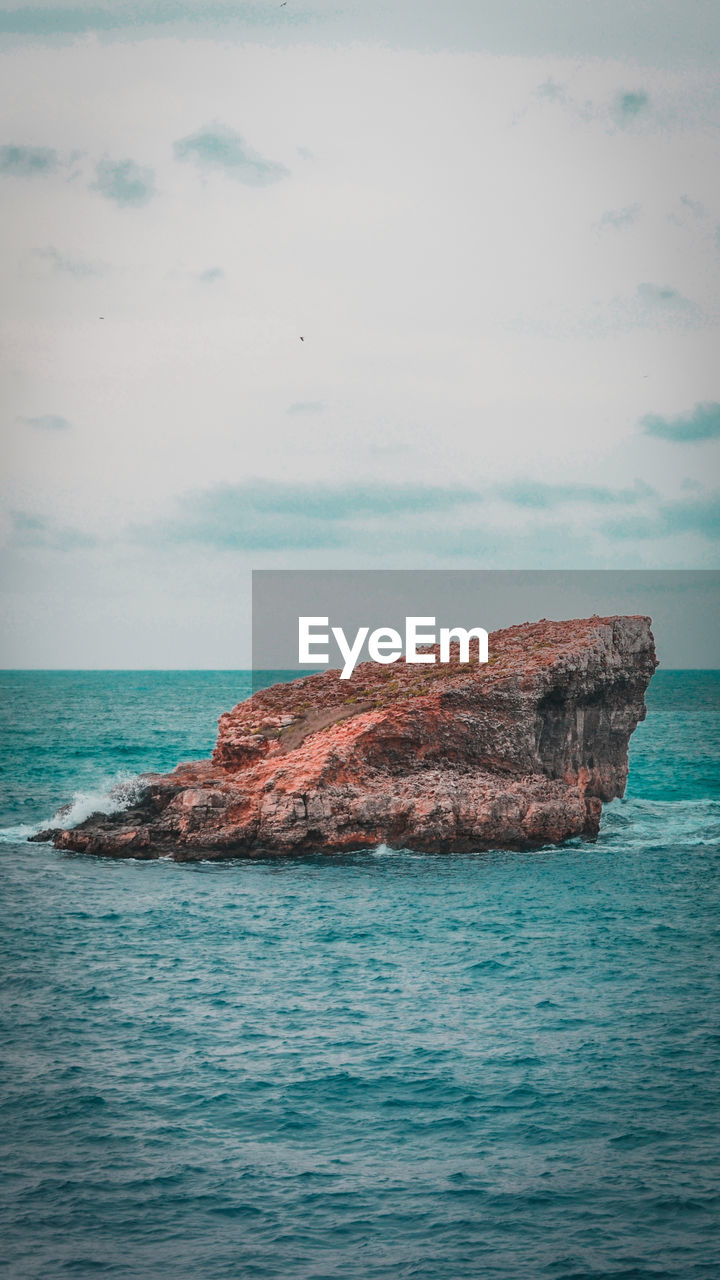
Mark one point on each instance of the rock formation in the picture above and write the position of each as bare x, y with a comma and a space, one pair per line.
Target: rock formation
514, 754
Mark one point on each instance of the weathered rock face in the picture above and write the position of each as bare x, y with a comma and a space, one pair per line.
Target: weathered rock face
516, 754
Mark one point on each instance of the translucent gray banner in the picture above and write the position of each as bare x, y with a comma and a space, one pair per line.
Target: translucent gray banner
684, 606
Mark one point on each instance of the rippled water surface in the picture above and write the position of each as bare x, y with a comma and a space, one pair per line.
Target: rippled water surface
383, 1065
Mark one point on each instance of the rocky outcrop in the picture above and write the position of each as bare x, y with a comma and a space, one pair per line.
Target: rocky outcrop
514, 754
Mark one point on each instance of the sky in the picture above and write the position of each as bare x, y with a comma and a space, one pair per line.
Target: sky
347, 286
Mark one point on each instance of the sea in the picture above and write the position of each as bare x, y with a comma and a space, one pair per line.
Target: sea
492, 1066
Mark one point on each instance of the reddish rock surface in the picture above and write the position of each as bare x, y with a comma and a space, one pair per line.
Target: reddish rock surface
515, 754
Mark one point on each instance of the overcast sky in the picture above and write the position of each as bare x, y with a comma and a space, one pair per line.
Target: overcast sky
495, 225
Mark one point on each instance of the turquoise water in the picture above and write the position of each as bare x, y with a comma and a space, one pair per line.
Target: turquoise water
382, 1065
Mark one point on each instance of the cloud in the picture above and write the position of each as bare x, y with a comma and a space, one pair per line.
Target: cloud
221, 148
28, 162
551, 91
271, 515
687, 213
555, 544
620, 111
72, 266
700, 423
259, 516
307, 406
262, 515
31, 531
126, 183
697, 515
630, 104
662, 295
620, 218
668, 31
47, 422
537, 496
337, 502
652, 306
694, 206
210, 16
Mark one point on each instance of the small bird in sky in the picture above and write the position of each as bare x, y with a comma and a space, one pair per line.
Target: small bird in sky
301, 338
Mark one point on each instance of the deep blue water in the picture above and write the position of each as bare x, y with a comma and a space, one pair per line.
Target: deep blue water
499, 1066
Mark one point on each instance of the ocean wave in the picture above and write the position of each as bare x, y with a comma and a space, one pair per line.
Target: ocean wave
110, 796
632, 809
651, 804
11, 835
113, 797
694, 822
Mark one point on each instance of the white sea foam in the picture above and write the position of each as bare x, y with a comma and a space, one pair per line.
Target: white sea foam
695, 823
12, 835
111, 796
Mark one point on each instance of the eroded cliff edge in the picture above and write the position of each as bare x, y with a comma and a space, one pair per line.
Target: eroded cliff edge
511, 755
